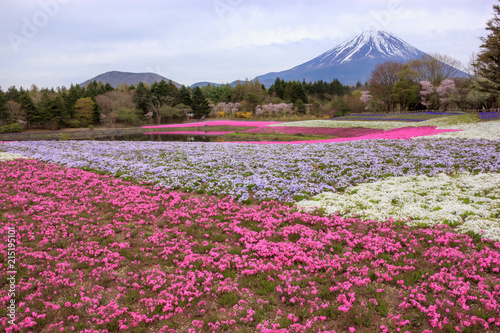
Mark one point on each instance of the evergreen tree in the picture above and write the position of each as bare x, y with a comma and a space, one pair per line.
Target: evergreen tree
70, 98
13, 94
295, 90
46, 107
488, 60
32, 115
108, 87
96, 113
185, 96
4, 112
278, 88
200, 104
141, 97
300, 107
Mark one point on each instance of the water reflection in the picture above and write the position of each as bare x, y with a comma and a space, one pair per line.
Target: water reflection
162, 137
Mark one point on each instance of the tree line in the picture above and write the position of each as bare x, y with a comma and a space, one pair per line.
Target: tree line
98, 103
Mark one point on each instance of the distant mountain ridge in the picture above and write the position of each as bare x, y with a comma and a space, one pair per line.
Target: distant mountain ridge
116, 78
351, 61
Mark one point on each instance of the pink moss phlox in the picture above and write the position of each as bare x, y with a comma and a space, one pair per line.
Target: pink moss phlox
104, 253
403, 133
219, 123
187, 132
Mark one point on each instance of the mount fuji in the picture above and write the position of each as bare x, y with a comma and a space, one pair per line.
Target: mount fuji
351, 61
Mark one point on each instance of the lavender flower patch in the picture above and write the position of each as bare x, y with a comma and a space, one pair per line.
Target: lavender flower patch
281, 172
485, 116
410, 117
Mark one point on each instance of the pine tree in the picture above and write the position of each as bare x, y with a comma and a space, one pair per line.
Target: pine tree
4, 112
488, 60
185, 96
141, 97
200, 104
32, 114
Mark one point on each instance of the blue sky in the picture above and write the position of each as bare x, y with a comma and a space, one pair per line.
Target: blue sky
54, 43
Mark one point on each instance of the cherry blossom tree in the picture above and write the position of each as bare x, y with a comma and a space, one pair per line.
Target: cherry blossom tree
427, 93
366, 98
445, 90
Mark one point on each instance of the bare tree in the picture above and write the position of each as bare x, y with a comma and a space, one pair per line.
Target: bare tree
17, 114
382, 81
435, 68
111, 101
156, 103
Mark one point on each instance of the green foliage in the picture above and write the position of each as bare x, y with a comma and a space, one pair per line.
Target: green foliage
488, 60
217, 94
141, 97
129, 116
295, 91
74, 123
406, 93
185, 96
27, 105
84, 109
228, 300
11, 128
300, 107
200, 104
4, 112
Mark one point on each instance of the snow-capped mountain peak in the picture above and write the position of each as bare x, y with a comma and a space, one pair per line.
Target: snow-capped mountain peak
351, 61
366, 45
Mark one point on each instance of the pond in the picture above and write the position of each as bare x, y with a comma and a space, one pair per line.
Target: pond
161, 137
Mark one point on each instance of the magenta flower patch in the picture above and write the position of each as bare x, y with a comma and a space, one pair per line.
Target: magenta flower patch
101, 254
187, 132
334, 132
219, 123
404, 133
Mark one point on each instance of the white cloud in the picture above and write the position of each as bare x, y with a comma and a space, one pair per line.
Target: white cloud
218, 40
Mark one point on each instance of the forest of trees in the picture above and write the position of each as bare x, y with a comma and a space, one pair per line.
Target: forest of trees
433, 82
99, 103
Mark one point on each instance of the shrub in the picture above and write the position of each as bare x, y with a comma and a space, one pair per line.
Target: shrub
243, 114
74, 123
11, 128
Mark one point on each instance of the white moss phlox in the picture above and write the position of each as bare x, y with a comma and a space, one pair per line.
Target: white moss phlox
470, 202
8, 157
487, 130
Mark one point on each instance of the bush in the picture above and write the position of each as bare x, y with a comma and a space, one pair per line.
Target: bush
11, 128
243, 114
73, 123
131, 116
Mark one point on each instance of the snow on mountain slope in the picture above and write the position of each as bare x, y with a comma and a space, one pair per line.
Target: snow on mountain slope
351, 61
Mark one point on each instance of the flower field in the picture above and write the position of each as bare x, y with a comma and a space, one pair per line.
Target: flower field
235, 123
286, 173
350, 132
370, 231
187, 132
470, 202
420, 116
99, 254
